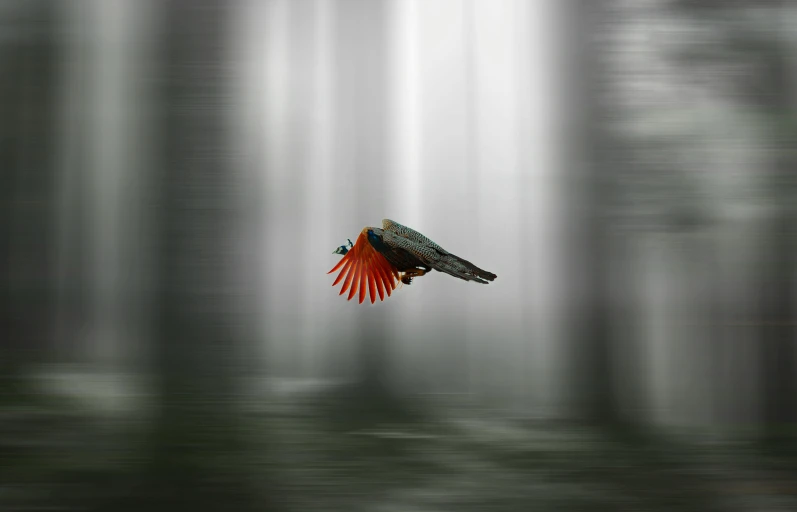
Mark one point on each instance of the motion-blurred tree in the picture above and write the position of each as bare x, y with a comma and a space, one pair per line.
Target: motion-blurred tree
28, 58
590, 342
761, 35
197, 453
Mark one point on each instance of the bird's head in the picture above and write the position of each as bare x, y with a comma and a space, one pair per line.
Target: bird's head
343, 249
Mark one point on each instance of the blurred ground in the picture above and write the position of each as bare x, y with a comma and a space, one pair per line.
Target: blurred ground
59, 452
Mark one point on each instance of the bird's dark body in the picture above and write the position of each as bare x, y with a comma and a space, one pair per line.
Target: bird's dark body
400, 258
408, 250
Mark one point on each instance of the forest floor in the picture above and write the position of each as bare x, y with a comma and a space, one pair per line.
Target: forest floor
472, 459
61, 455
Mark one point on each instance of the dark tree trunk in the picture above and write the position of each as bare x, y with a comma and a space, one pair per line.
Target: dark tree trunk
587, 312
778, 269
777, 336
28, 59
777, 301
772, 92
197, 451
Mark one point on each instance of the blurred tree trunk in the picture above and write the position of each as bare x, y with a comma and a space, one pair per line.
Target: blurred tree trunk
777, 338
777, 299
587, 313
28, 58
363, 109
197, 450
772, 92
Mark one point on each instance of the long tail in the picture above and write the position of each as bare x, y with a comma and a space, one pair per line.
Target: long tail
455, 266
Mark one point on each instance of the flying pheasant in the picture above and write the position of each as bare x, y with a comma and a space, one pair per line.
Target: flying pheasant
381, 257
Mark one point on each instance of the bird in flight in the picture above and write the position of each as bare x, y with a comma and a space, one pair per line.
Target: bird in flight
381, 257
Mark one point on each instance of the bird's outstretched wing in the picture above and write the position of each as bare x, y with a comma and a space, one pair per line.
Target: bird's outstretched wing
364, 267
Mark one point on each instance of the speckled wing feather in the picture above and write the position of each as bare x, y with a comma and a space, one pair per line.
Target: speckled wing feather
363, 267
431, 254
400, 258
410, 234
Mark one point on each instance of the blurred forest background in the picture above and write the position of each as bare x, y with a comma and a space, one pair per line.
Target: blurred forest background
175, 174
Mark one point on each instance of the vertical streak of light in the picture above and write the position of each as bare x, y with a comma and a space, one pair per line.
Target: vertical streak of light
528, 234
472, 179
551, 142
318, 197
522, 89
106, 164
514, 383
276, 95
493, 165
538, 167
494, 126
244, 70
407, 131
103, 157
302, 185
407, 110
246, 133
554, 208
69, 175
